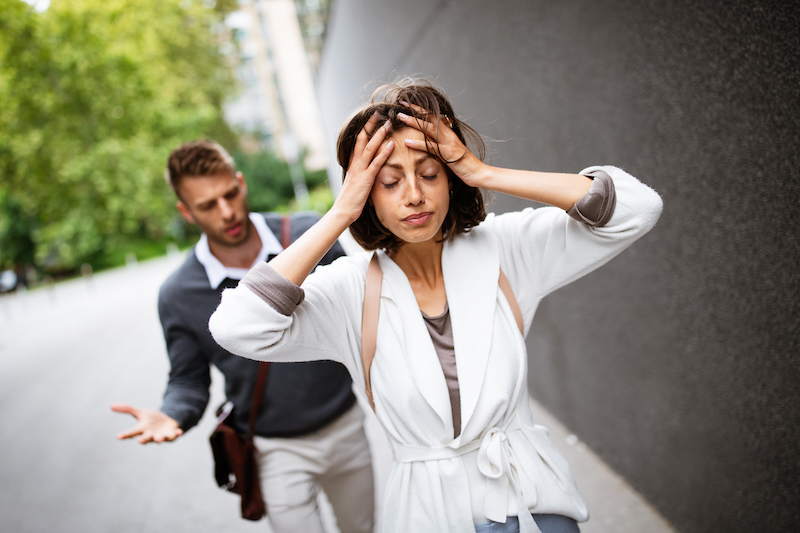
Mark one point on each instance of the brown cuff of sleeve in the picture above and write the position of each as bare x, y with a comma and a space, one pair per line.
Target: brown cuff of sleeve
596, 206
283, 295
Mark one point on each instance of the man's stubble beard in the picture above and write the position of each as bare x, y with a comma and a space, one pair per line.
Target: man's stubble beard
240, 239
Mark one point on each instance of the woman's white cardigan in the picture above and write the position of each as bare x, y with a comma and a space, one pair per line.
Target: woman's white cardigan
501, 461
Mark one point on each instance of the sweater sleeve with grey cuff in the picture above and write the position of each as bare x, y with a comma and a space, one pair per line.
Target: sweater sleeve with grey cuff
593, 209
283, 295
596, 206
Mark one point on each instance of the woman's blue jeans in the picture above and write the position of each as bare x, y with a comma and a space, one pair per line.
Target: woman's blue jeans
548, 523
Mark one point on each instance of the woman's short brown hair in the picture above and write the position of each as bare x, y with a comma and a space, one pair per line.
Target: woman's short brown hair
466, 204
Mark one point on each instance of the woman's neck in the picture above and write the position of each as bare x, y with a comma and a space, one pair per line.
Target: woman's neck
420, 260
422, 265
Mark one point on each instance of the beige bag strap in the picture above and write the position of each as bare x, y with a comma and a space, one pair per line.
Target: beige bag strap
372, 306
505, 286
369, 320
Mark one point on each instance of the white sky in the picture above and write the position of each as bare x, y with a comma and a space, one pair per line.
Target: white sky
38, 5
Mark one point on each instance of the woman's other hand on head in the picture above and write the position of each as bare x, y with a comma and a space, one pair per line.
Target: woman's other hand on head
367, 159
442, 141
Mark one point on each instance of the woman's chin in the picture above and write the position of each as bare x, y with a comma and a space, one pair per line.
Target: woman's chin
418, 237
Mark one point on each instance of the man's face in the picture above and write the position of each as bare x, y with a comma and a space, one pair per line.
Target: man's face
217, 205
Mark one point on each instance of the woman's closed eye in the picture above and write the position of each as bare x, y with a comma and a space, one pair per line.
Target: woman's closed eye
392, 184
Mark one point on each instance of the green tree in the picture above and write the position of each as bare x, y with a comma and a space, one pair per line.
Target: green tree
269, 181
93, 96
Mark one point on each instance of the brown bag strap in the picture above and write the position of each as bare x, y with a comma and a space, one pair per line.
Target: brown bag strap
369, 320
286, 231
372, 306
258, 394
263, 368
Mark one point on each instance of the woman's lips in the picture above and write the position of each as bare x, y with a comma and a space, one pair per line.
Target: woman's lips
417, 219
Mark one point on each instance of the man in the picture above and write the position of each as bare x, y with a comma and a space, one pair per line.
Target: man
309, 431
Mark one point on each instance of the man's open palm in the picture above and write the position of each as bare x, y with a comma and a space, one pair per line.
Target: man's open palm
152, 426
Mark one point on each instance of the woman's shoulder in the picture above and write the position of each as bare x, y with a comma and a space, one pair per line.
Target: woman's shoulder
346, 269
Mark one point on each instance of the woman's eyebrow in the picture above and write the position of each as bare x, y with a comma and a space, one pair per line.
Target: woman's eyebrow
417, 162
421, 159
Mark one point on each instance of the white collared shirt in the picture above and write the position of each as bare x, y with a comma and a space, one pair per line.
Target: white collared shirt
217, 272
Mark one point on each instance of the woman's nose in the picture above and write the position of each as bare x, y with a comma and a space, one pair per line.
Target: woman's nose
413, 192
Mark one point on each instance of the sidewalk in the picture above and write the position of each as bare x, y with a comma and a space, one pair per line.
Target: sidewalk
614, 506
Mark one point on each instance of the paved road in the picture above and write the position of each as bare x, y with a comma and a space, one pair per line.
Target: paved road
68, 352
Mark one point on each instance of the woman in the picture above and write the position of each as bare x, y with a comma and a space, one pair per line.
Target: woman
449, 373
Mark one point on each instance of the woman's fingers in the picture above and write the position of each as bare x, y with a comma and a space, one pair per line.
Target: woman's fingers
365, 163
381, 157
365, 166
378, 137
443, 119
435, 148
420, 124
439, 140
363, 158
364, 135
416, 108
439, 132
422, 146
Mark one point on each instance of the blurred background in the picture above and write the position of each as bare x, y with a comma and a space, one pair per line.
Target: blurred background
95, 95
675, 368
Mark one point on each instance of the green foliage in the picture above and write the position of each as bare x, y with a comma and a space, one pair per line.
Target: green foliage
15, 233
93, 96
320, 200
269, 182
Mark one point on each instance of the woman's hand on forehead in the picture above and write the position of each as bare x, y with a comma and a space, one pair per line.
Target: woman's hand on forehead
367, 159
442, 142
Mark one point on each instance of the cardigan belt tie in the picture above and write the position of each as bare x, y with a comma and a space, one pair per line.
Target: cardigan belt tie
496, 461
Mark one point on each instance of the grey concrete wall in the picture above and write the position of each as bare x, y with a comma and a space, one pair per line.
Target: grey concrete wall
678, 361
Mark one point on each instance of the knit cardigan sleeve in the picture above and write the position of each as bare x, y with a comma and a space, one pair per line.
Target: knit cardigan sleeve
325, 326
543, 249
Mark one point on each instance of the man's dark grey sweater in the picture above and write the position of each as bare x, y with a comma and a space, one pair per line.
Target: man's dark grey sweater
299, 397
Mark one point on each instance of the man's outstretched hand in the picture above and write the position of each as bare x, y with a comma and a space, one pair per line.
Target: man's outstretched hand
152, 426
